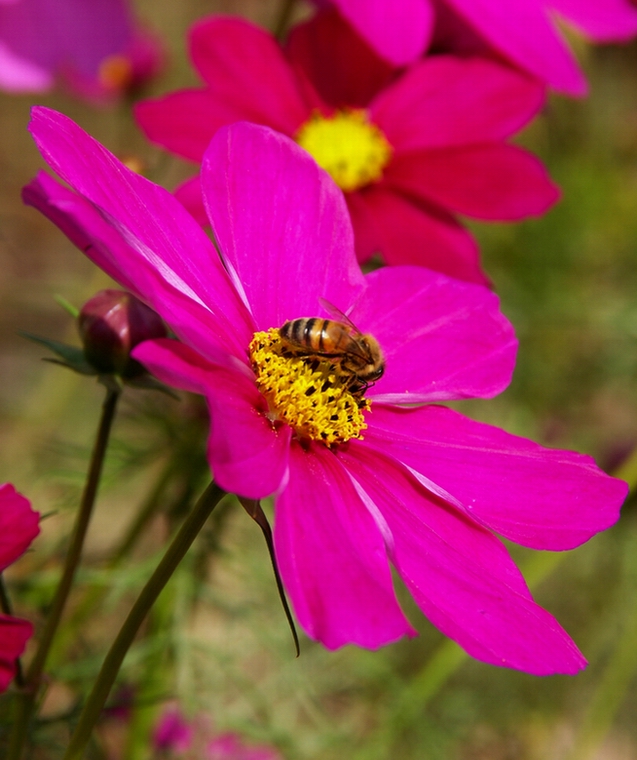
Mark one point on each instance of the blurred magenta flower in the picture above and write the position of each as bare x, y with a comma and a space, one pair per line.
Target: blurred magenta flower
18, 527
429, 146
231, 746
523, 31
359, 479
173, 733
175, 736
93, 45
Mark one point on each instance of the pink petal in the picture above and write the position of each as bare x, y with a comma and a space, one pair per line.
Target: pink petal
367, 240
603, 22
281, 224
412, 232
493, 181
441, 338
341, 66
445, 101
14, 634
332, 557
184, 121
538, 497
19, 525
189, 195
19, 74
165, 237
247, 73
248, 454
460, 576
83, 225
398, 31
524, 34
105, 245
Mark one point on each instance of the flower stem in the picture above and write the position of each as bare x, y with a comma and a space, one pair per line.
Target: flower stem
620, 669
283, 20
113, 661
26, 701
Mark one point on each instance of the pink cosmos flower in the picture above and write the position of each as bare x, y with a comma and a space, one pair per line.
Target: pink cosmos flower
522, 31
429, 146
18, 527
359, 481
93, 45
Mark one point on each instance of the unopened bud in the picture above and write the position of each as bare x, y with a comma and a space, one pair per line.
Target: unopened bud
111, 324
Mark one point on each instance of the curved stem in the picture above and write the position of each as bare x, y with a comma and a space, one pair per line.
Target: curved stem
113, 661
26, 701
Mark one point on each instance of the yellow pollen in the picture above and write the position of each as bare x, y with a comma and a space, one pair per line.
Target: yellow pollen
347, 145
309, 394
116, 72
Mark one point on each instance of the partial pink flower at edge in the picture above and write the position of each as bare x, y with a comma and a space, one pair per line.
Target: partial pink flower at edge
523, 31
96, 47
18, 527
423, 488
439, 135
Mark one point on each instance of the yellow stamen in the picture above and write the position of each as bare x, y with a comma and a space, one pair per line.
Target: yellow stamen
348, 146
309, 394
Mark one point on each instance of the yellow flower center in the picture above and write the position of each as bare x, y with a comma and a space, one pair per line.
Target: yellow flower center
348, 146
309, 394
116, 72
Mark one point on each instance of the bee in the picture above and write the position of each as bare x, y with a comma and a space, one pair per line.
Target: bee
337, 341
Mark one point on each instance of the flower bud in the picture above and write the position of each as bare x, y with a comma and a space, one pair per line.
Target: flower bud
111, 324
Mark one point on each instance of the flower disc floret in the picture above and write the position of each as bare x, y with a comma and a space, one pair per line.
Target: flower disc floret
348, 146
311, 395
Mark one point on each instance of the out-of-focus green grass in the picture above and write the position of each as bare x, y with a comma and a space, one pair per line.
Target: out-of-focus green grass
219, 641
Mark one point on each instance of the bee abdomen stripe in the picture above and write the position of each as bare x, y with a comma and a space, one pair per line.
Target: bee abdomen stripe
305, 329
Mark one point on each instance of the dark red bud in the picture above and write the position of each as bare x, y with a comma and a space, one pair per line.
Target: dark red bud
111, 324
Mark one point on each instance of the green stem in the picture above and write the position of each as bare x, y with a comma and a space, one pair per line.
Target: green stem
283, 21
24, 705
618, 675
113, 661
95, 594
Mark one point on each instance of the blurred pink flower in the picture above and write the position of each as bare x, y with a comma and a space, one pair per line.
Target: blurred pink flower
173, 733
400, 478
523, 31
230, 746
18, 527
94, 45
429, 146
175, 736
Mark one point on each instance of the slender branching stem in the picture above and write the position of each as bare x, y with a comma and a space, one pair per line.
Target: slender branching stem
115, 657
26, 700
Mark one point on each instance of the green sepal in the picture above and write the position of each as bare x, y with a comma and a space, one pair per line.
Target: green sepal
70, 356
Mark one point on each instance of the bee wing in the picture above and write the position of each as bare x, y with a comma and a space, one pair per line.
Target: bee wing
338, 315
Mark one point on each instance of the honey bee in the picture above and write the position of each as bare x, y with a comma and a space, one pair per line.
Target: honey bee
337, 341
